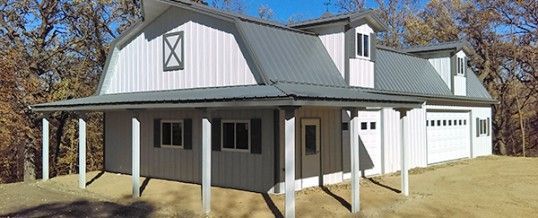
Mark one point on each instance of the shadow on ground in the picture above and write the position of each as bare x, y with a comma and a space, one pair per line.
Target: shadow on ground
84, 208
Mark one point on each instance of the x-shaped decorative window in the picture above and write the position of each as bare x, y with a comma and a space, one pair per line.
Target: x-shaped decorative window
173, 51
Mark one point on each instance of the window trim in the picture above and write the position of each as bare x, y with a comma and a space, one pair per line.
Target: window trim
235, 149
483, 127
180, 121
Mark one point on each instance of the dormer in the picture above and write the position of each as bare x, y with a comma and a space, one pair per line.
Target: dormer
450, 61
350, 41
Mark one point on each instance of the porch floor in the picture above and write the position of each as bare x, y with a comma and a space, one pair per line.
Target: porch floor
483, 187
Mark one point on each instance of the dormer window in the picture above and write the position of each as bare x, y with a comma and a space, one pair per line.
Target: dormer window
363, 45
461, 66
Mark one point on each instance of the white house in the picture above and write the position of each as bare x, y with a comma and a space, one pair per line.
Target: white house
198, 95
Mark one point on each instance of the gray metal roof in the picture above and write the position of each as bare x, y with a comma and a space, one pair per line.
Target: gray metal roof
368, 14
178, 96
287, 56
454, 45
294, 93
299, 90
406, 73
474, 86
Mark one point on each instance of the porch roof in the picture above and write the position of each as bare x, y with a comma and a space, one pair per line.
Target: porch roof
278, 94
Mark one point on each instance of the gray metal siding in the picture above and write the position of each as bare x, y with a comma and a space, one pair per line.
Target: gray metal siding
229, 169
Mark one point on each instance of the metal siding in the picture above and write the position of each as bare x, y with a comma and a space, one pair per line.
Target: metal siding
229, 169
207, 40
334, 41
361, 73
442, 67
460, 85
416, 139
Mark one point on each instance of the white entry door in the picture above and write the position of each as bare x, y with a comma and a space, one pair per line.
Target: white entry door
369, 142
310, 144
448, 136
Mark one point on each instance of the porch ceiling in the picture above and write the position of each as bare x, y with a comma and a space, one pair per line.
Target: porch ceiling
279, 94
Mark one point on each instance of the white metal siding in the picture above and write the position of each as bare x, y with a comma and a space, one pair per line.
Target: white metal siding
361, 73
460, 85
229, 169
442, 66
416, 139
212, 56
334, 41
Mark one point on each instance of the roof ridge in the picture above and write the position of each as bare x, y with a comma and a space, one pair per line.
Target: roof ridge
236, 16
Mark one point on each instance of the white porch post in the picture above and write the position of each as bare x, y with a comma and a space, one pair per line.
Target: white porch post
206, 165
45, 150
81, 153
404, 151
354, 150
289, 157
135, 156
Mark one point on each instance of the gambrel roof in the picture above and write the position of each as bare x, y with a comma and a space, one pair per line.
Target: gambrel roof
293, 65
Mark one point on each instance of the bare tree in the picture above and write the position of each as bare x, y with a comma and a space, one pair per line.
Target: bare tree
265, 12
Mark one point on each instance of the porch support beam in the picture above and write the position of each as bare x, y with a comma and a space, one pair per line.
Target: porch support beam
45, 149
81, 152
135, 123
206, 165
354, 152
404, 150
289, 159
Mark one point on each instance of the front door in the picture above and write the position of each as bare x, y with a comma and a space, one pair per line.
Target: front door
310, 144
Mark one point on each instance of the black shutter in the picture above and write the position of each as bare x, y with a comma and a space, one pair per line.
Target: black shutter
256, 136
187, 134
215, 134
373, 48
157, 133
477, 127
487, 126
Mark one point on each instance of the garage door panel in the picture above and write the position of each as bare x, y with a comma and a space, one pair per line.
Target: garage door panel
448, 135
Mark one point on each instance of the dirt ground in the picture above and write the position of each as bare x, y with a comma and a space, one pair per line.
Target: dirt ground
484, 187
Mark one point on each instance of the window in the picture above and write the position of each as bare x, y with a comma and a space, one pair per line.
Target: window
173, 57
310, 139
363, 45
236, 135
372, 125
482, 127
366, 46
345, 126
444, 122
450, 122
172, 133
438, 122
364, 125
461, 66
432, 123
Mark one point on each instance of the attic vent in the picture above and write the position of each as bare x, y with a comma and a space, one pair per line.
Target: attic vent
173, 58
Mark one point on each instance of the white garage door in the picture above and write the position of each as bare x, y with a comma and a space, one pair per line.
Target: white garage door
370, 142
448, 136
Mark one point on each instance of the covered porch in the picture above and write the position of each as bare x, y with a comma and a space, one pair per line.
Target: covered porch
284, 100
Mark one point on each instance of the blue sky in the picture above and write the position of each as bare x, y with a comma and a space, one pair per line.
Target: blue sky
307, 9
